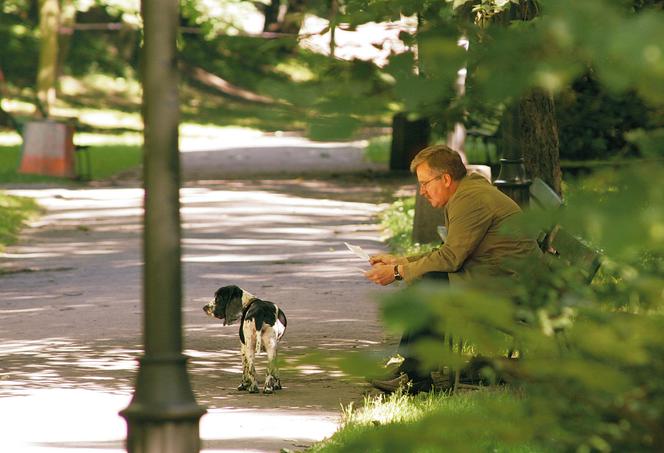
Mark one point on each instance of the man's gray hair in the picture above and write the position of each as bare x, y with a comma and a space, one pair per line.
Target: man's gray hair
440, 158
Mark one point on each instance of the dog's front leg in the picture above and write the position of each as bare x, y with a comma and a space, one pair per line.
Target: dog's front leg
245, 384
272, 381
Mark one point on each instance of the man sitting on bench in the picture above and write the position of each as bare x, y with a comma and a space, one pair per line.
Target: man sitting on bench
474, 213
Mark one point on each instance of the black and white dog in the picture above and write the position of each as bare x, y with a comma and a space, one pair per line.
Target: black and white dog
262, 324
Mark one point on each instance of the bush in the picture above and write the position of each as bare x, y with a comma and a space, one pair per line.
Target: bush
14, 211
593, 123
590, 356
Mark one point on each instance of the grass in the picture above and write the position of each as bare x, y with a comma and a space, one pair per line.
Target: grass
384, 421
378, 149
10, 158
109, 160
106, 161
14, 211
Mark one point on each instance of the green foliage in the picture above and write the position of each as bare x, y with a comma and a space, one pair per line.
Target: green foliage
594, 123
18, 34
392, 423
14, 211
480, 151
378, 149
336, 98
397, 222
590, 356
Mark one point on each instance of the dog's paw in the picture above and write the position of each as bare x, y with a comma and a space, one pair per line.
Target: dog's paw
253, 388
271, 384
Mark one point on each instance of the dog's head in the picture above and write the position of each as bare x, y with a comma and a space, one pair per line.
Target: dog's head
227, 304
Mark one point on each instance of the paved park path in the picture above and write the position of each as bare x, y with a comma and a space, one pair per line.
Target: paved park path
70, 297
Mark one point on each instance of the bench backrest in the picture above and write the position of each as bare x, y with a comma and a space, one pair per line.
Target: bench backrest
555, 241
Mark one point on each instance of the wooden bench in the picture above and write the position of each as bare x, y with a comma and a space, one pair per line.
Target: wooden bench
555, 241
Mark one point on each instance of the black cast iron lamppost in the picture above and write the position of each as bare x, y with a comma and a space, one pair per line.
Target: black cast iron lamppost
163, 415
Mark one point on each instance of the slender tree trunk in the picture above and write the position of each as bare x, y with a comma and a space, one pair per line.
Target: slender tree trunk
49, 22
271, 14
529, 129
67, 22
334, 9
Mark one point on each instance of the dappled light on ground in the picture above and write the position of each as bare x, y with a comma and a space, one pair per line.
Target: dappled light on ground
71, 296
65, 363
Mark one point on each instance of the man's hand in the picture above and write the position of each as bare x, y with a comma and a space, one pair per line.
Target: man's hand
383, 259
381, 274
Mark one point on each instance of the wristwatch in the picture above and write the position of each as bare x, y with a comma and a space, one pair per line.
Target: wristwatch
397, 275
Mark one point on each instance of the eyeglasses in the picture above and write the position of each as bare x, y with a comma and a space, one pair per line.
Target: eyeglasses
423, 185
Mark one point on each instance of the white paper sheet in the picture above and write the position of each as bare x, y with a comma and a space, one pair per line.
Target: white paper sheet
357, 250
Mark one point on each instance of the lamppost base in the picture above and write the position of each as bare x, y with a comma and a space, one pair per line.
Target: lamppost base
169, 437
163, 416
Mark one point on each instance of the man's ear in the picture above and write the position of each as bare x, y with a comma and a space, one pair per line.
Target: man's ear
447, 179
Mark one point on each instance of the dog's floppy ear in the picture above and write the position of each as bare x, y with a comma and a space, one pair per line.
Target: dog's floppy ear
228, 303
226, 293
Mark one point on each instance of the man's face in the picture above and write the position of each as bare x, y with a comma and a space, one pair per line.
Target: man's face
434, 186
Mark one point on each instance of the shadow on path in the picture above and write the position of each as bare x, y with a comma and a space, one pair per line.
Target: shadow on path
71, 308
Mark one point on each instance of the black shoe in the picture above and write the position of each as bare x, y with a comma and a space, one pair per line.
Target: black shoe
422, 385
391, 385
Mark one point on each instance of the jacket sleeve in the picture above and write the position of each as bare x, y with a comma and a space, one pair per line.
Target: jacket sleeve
469, 219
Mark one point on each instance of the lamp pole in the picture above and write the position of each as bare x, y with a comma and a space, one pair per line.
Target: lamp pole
163, 415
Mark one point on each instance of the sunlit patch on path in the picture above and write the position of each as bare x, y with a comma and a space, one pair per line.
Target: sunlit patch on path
71, 311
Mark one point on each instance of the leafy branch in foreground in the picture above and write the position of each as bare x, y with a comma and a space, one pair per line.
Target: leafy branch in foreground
589, 357
587, 377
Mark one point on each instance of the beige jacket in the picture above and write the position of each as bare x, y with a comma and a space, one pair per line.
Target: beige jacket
475, 243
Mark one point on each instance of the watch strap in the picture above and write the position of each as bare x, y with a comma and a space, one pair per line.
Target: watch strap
397, 275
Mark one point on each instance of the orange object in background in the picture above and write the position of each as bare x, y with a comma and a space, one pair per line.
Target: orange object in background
48, 149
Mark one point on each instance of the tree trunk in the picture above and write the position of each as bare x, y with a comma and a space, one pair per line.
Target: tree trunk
408, 139
67, 23
271, 13
49, 22
426, 221
529, 129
